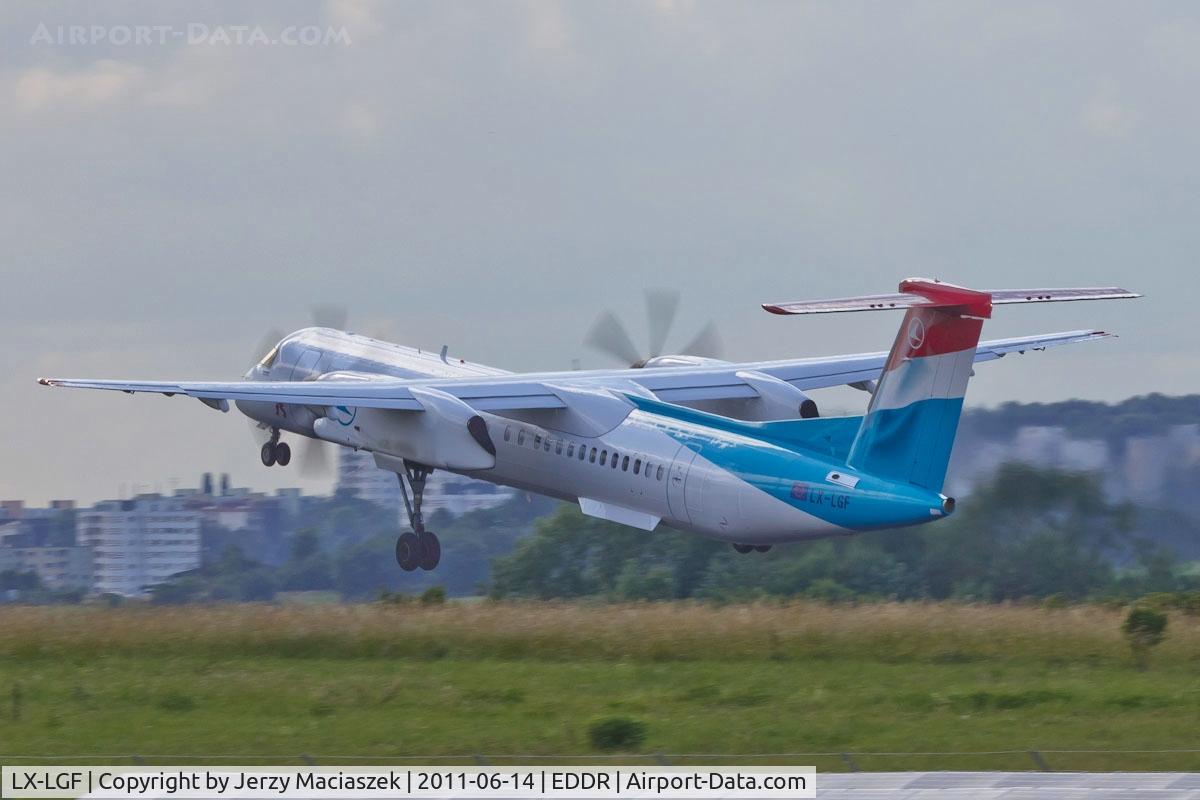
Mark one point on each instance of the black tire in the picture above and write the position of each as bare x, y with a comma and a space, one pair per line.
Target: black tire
431, 550
268, 455
283, 454
762, 548
408, 551
744, 548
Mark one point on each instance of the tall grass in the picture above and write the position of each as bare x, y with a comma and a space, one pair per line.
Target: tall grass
886, 632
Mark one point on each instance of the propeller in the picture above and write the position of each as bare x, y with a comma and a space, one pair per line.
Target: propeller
609, 335
313, 455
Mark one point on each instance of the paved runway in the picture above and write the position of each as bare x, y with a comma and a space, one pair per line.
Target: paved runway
1008, 785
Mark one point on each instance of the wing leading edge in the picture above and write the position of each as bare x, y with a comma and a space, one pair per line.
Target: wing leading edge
540, 390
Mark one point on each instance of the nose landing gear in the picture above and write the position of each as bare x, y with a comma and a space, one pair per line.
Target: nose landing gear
419, 548
275, 452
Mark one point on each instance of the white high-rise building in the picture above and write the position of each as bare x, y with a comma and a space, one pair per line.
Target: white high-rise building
357, 473
140, 542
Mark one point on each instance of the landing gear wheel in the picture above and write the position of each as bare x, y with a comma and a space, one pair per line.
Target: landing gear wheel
431, 550
283, 454
408, 551
762, 548
268, 454
423, 549
744, 548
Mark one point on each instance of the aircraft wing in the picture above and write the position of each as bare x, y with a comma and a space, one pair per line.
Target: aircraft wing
543, 390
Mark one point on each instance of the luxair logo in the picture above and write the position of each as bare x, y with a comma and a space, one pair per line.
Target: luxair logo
344, 416
916, 334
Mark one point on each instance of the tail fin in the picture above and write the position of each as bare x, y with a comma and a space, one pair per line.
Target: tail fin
909, 428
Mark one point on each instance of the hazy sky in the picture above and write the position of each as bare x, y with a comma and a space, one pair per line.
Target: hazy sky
490, 175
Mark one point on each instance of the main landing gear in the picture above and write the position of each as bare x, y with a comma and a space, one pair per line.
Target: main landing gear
276, 452
418, 548
751, 548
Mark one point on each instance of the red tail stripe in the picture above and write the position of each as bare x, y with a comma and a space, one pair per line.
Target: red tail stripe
977, 304
933, 332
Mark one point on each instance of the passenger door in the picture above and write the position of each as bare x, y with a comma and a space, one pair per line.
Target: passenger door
677, 483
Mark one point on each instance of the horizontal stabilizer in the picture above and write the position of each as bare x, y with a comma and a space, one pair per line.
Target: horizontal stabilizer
921, 292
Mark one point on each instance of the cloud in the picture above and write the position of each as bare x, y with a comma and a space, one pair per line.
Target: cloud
101, 83
1107, 118
193, 77
1175, 47
548, 29
358, 123
360, 18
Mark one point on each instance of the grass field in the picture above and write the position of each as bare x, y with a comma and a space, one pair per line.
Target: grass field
383, 682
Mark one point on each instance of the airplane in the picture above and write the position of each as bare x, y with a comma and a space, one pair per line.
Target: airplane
736, 452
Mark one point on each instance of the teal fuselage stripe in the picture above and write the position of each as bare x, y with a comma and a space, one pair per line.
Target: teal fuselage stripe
794, 475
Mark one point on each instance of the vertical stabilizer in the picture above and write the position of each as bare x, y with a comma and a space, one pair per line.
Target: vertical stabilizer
909, 428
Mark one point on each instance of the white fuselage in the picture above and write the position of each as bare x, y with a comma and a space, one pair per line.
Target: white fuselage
619, 462
635, 472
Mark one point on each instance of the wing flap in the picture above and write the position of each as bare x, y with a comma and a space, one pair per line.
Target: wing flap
619, 514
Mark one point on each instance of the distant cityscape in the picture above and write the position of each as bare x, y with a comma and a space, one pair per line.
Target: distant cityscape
125, 546
1146, 468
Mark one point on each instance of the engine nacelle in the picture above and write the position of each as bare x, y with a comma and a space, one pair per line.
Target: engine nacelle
774, 400
679, 361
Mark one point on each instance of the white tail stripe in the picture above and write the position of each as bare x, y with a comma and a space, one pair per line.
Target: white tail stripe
942, 377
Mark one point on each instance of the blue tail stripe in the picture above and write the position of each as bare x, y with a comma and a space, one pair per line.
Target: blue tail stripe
887, 434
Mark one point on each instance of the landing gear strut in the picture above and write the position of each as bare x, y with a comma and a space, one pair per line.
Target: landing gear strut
276, 452
418, 548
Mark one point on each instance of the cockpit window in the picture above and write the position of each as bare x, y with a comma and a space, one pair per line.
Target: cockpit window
269, 358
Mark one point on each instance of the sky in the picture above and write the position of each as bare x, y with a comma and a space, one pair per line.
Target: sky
180, 179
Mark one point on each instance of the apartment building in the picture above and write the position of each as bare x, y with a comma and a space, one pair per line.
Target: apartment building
139, 542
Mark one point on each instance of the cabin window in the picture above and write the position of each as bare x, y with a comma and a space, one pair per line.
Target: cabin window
558, 447
547, 445
603, 457
592, 457
537, 442
660, 472
637, 466
507, 432
625, 464
570, 449
582, 450
616, 457
521, 437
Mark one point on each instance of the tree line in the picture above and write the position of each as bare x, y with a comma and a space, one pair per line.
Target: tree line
1028, 533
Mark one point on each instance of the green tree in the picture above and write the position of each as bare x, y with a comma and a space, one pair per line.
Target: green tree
305, 543
1027, 533
1144, 629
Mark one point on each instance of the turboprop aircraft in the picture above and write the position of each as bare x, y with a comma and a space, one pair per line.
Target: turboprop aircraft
732, 451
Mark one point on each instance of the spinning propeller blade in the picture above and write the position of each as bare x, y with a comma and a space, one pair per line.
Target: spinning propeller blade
609, 335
